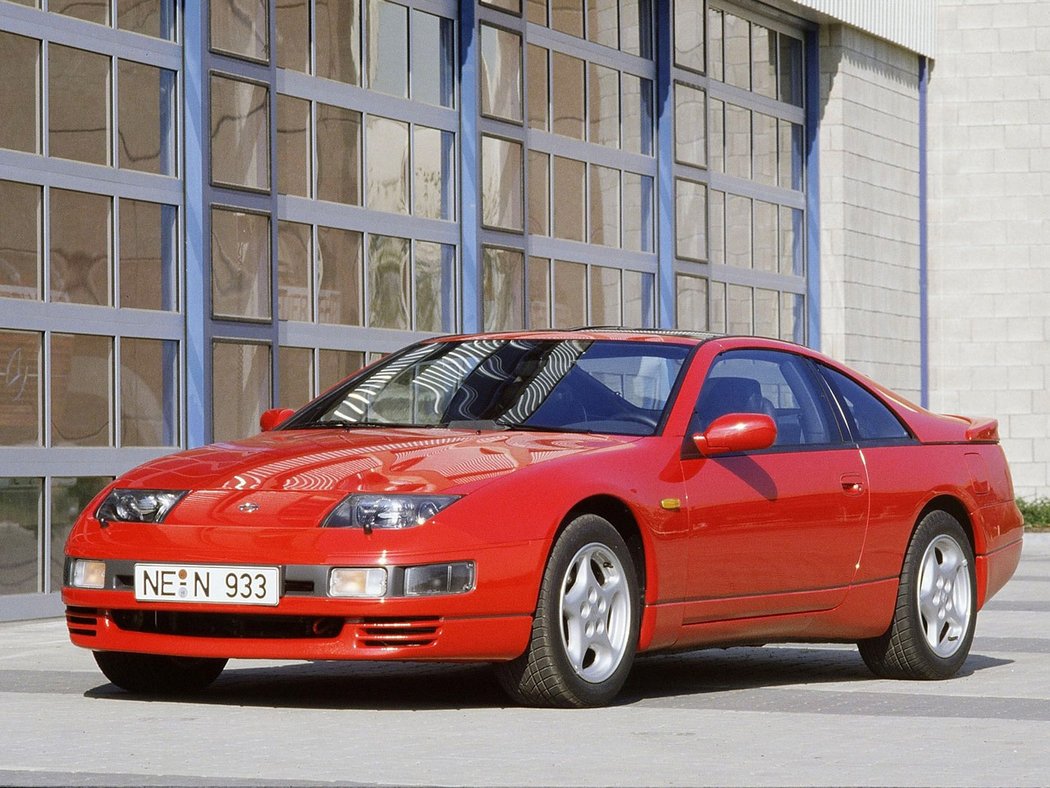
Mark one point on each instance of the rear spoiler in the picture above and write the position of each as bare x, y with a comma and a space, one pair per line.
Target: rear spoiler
982, 430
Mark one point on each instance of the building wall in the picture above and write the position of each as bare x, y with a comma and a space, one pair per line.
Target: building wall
989, 276
869, 206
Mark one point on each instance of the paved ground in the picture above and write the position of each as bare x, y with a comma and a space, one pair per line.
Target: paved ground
773, 716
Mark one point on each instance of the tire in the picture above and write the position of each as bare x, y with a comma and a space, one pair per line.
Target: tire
585, 631
157, 674
933, 623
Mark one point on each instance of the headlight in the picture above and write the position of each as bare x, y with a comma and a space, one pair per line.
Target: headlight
138, 506
386, 511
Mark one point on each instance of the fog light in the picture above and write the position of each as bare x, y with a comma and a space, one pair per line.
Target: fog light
439, 579
89, 574
346, 581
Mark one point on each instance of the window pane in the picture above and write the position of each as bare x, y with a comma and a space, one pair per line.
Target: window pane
149, 17
536, 11
738, 141
387, 34
240, 134
539, 96
568, 97
637, 299
604, 100
605, 206
335, 365
500, 73
567, 16
637, 212
81, 390
764, 61
148, 391
294, 256
764, 151
78, 104
636, 31
20, 504
790, 70
434, 280
689, 34
716, 132
147, 255
433, 55
388, 279
740, 317
689, 121
339, 261
539, 292
69, 496
146, 117
793, 317
514, 6
503, 286
767, 313
790, 154
765, 240
293, 146
241, 27
20, 388
691, 302
569, 198
792, 260
387, 158
293, 34
295, 376
570, 294
715, 64
80, 247
606, 298
89, 10
501, 178
539, 193
240, 264
603, 23
435, 179
337, 36
716, 227
20, 239
338, 154
242, 392
737, 58
690, 219
20, 93
738, 231
717, 315
637, 115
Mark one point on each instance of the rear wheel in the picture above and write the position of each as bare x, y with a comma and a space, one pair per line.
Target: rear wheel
585, 631
158, 674
933, 623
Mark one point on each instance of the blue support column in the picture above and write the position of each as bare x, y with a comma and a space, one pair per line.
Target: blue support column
924, 314
665, 285
812, 102
470, 163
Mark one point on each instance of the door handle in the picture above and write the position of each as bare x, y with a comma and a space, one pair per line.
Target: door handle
852, 484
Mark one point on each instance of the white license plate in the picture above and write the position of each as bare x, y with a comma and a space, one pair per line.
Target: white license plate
228, 585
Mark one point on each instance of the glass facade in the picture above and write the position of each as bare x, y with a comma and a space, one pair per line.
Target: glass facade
214, 208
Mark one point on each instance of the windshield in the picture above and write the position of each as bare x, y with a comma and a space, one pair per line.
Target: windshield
540, 384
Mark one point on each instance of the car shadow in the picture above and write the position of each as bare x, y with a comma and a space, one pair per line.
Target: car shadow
397, 686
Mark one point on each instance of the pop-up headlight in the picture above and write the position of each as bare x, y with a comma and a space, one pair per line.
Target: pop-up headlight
386, 511
138, 506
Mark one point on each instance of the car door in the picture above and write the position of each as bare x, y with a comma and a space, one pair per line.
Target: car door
778, 530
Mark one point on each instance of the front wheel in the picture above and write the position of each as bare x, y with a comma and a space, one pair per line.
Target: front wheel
585, 630
158, 674
933, 624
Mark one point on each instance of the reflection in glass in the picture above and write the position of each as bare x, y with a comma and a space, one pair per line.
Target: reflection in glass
716, 132
339, 255
637, 212
764, 150
435, 286
149, 17
603, 24
21, 500
736, 41
689, 122
69, 496
793, 317
241, 388
148, 391
240, 264
78, 105
80, 247
20, 240
715, 63
716, 228
338, 154
740, 318
514, 6
791, 155
386, 31
637, 114
568, 107
790, 70
295, 376
501, 179
738, 141
434, 182
767, 313
605, 206
606, 298
570, 294
337, 37
539, 95
536, 12
294, 282
500, 73
293, 35
433, 56
690, 219
569, 199
19, 93
792, 260
638, 299
604, 99
293, 146
388, 282
81, 390
503, 285
335, 365
96, 11
689, 34
539, 292
567, 17
738, 231
241, 27
387, 157
146, 118
20, 405
764, 61
539, 193
240, 133
765, 239
147, 255
691, 302
717, 315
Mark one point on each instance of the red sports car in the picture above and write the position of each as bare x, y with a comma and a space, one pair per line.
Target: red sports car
555, 503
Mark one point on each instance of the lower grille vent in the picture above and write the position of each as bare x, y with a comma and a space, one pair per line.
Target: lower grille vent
398, 632
82, 621
222, 625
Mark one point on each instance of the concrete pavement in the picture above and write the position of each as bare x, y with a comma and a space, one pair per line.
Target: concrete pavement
799, 715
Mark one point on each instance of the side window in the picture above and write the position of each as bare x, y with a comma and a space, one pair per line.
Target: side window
770, 382
868, 418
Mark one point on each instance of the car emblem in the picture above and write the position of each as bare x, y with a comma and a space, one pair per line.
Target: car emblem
248, 507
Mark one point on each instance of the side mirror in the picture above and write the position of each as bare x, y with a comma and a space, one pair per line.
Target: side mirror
273, 417
735, 432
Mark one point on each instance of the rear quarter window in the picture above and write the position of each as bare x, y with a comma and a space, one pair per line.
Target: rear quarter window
869, 419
